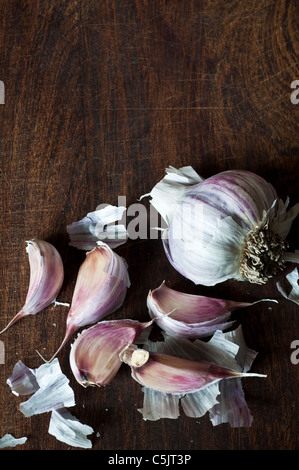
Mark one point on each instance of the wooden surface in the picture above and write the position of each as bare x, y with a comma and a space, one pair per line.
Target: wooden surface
100, 97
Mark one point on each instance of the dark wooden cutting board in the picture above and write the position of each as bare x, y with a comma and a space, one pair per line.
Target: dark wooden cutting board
101, 97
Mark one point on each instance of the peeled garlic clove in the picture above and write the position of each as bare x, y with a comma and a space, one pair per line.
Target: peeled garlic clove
175, 375
189, 315
100, 289
94, 356
46, 278
98, 225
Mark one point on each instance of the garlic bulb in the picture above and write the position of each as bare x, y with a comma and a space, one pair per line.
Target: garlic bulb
46, 278
229, 226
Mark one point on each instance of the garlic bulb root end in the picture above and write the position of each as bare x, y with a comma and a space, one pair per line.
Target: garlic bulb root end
262, 255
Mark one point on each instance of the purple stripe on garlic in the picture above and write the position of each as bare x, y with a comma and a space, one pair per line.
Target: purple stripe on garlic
174, 374
46, 278
229, 226
189, 315
223, 399
100, 289
94, 356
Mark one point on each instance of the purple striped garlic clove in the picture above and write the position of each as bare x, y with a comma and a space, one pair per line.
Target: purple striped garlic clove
100, 289
188, 315
223, 399
175, 375
94, 356
46, 278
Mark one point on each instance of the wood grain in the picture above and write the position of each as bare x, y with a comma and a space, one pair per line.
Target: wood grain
100, 97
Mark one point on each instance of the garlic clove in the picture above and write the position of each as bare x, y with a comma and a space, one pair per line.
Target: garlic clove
100, 289
46, 278
172, 374
190, 315
94, 356
98, 226
223, 399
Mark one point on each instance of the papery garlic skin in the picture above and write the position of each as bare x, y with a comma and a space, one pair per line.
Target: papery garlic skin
22, 380
94, 356
50, 392
100, 289
67, 428
10, 441
229, 226
96, 226
48, 386
189, 315
46, 278
293, 295
54, 391
172, 374
168, 192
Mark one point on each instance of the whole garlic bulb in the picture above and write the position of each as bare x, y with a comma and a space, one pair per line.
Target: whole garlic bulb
229, 226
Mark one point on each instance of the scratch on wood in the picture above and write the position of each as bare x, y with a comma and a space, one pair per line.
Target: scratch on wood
5, 179
187, 108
